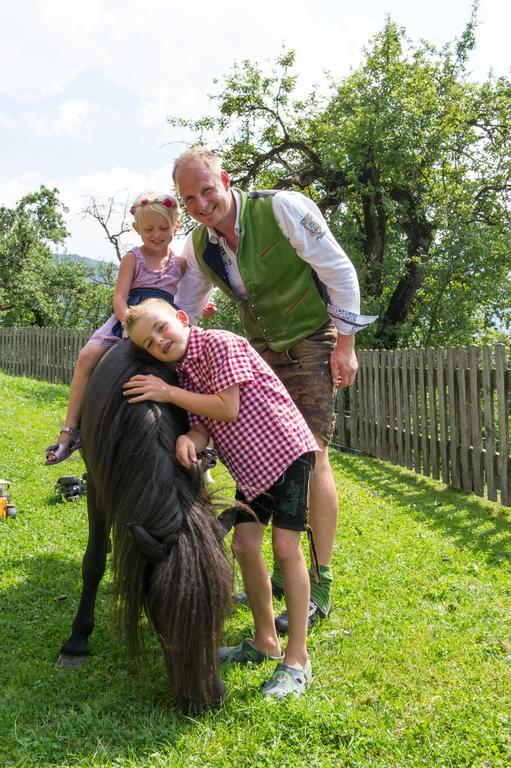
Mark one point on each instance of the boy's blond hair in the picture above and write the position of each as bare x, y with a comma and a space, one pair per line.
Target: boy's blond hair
197, 154
155, 202
137, 311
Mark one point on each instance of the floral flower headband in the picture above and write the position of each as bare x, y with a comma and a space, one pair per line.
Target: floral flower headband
165, 200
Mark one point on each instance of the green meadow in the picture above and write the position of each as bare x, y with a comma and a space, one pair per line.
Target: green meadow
413, 668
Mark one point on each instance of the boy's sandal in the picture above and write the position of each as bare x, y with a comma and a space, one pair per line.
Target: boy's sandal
62, 452
245, 653
288, 681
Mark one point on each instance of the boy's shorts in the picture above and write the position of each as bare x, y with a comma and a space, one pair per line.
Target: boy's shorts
304, 369
287, 500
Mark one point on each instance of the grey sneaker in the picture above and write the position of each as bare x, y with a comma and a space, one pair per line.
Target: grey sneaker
245, 653
288, 681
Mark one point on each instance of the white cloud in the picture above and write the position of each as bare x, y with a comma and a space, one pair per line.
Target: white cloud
86, 237
157, 53
72, 119
120, 182
108, 74
12, 190
6, 121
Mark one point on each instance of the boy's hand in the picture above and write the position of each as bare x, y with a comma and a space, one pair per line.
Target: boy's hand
210, 309
185, 451
148, 387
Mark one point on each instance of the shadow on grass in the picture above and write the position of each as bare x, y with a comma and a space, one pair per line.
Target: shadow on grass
470, 523
110, 707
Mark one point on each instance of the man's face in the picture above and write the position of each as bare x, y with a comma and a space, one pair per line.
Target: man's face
162, 333
205, 193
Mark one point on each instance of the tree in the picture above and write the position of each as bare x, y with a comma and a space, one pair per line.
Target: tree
226, 317
111, 214
409, 162
36, 288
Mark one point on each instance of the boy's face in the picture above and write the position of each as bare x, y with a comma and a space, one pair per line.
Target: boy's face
163, 333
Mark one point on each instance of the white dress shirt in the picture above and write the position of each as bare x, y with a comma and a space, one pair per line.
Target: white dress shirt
302, 223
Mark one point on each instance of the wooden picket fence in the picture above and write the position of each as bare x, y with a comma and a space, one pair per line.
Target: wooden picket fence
442, 412
42, 353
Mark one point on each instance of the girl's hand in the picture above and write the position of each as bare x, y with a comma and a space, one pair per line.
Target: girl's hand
125, 334
210, 309
185, 451
148, 387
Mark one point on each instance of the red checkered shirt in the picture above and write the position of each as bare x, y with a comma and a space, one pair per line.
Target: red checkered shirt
269, 432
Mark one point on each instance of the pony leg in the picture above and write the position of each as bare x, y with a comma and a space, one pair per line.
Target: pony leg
75, 650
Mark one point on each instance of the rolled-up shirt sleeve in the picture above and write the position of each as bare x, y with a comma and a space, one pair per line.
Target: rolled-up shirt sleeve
303, 224
194, 288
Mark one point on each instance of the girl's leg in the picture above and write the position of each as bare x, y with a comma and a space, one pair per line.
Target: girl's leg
246, 544
87, 360
288, 552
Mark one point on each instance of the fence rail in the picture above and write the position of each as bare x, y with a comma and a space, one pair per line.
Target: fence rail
442, 412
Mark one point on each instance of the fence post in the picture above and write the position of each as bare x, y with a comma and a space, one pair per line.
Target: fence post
433, 446
489, 425
423, 411
503, 421
475, 418
465, 437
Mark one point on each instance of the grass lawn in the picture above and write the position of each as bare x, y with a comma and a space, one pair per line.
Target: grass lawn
412, 669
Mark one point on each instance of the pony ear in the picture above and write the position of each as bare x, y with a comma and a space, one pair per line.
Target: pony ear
147, 544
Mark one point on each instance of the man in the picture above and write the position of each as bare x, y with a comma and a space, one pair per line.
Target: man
298, 297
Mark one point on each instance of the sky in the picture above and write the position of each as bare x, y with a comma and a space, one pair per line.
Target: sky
86, 86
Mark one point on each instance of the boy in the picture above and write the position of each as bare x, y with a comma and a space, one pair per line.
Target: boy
234, 397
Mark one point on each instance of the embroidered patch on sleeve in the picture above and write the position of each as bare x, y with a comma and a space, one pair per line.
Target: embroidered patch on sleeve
313, 226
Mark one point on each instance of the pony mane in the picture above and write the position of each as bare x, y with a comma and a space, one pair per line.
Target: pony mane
129, 450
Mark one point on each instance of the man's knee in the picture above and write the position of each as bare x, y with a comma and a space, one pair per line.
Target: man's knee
322, 457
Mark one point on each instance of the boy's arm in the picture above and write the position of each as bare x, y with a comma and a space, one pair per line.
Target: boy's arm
189, 445
222, 406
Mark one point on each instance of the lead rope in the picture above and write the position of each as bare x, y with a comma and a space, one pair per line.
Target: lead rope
313, 554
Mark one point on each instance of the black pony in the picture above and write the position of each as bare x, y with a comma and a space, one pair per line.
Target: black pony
168, 554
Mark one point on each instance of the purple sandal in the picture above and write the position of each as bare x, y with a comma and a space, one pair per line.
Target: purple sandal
63, 452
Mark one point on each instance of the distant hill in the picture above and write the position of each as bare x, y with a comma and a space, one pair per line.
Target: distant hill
88, 262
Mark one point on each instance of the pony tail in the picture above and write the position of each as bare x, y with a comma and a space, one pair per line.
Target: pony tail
197, 579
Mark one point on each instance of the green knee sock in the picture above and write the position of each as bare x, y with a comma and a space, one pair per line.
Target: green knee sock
321, 594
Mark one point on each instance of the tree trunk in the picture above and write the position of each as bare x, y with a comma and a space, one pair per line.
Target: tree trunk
420, 235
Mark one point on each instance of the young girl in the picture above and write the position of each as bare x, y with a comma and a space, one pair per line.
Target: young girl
151, 270
234, 397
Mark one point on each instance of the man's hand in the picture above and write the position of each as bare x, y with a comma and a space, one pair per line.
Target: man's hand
210, 309
186, 452
148, 387
343, 362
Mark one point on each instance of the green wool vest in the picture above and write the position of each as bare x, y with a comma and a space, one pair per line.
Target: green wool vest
283, 304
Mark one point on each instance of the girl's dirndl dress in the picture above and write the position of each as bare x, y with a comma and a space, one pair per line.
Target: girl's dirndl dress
147, 283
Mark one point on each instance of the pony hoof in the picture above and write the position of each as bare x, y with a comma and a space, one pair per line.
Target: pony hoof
69, 662
218, 695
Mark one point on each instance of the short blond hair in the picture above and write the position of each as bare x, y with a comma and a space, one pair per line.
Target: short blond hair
138, 311
153, 201
197, 154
